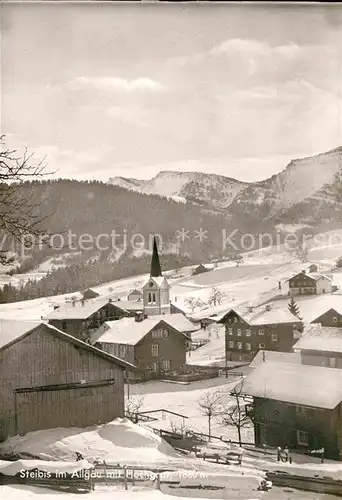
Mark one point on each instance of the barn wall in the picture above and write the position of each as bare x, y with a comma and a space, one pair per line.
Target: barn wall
43, 359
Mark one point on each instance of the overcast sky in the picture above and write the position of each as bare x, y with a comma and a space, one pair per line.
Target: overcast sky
109, 89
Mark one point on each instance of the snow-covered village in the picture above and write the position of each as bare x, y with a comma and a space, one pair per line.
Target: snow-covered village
170, 251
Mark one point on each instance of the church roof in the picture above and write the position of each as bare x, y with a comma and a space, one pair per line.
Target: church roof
155, 263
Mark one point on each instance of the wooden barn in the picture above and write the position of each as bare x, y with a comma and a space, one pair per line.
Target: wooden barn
50, 379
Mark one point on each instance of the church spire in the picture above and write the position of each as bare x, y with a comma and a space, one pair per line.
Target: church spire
155, 263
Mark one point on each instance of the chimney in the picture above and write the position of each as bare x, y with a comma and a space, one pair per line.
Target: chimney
55, 307
250, 309
279, 285
139, 316
110, 300
268, 307
82, 302
303, 271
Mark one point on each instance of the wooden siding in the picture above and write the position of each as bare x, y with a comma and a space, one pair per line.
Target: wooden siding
43, 359
329, 318
284, 331
43, 409
280, 422
172, 348
319, 358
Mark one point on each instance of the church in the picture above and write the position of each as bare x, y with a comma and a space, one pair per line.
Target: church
155, 341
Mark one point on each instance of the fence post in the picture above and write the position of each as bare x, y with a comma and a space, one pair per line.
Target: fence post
125, 476
158, 479
133, 477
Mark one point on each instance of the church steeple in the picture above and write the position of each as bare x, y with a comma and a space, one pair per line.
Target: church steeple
155, 263
156, 290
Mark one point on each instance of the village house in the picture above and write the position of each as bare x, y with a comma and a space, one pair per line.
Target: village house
309, 284
50, 379
134, 295
265, 328
81, 319
313, 268
155, 345
332, 317
298, 406
321, 346
89, 293
200, 270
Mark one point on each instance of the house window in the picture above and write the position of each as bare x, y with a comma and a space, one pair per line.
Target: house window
238, 332
230, 331
239, 345
154, 298
231, 344
166, 365
274, 337
248, 346
302, 438
155, 349
334, 319
235, 319
248, 333
261, 346
149, 298
165, 334
122, 351
261, 331
64, 325
155, 367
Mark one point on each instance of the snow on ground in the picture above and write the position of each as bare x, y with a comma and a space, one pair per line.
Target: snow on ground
119, 441
183, 399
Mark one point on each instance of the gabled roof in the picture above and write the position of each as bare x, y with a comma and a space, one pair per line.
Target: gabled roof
135, 291
320, 338
277, 357
305, 385
314, 276
11, 329
262, 316
15, 333
158, 281
78, 310
129, 331
337, 310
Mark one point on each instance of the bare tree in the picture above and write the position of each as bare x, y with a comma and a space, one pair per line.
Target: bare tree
133, 405
193, 303
216, 296
234, 414
20, 216
210, 405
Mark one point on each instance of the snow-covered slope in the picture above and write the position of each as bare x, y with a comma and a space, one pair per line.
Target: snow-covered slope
308, 189
207, 189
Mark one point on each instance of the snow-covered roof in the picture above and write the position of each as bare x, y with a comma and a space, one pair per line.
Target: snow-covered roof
78, 309
11, 329
314, 276
305, 385
277, 357
130, 331
263, 316
320, 338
